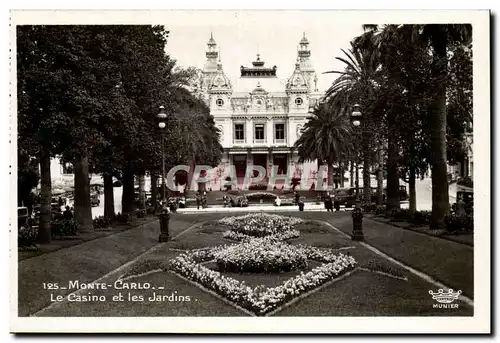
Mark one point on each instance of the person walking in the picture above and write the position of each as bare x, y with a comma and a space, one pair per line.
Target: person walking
198, 200
67, 214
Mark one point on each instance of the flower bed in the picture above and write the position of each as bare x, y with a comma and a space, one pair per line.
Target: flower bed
261, 225
260, 255
281, 236
26, 236
260, 299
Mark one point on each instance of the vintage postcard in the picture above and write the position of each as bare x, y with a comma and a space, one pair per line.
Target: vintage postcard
250, 171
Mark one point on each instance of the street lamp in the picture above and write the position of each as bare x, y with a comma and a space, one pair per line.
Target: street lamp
357, 213
164, 216
161, 117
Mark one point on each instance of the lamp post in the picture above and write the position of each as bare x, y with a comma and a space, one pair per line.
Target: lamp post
162, 116
357, 213
164, 216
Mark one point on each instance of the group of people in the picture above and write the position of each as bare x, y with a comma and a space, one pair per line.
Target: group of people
330, 204
201, 199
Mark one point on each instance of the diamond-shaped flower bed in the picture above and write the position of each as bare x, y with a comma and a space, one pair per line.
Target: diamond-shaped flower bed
261, 250
260, 300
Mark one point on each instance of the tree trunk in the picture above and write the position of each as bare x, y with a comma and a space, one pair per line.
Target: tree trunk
154, 189
342, 172
44, 228
380, 177
366, 168
392, 174
356, 179
83, 208
440, 196
128, 191
109, 196
330, 176
413, 193
142, 191
351, 174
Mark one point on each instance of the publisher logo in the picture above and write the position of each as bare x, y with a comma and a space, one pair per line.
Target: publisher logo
445, 299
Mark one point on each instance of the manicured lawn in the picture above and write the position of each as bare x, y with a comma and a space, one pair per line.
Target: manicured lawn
85, 262
66, 242
376, 288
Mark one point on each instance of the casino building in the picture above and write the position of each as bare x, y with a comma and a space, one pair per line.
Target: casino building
260, 115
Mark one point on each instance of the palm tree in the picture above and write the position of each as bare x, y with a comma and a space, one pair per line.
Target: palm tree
438, 37
326, 135
357, 82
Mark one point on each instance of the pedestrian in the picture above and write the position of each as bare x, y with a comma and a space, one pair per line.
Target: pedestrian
198, 201
329, 203
68, 215
460, 207
297, 197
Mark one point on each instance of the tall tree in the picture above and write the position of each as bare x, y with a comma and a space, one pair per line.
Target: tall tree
358, 81
326, 135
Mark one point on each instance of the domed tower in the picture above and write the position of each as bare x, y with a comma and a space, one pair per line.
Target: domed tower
297, 89
219, 90
210, 67
303, 56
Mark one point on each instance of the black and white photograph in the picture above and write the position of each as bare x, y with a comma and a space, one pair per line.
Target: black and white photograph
180, 171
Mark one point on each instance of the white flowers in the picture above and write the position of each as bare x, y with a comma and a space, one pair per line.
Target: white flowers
260, 299
260, 255
261, 225
261, 248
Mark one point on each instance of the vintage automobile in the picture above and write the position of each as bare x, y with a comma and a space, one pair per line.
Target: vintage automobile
94, 200
239, 201
22, 217
467, 195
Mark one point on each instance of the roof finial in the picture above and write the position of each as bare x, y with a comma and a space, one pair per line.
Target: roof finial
304, 34
258, 57
211, 35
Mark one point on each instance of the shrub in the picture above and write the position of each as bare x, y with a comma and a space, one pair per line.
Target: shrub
398, 214
455, 223
150, 210
26, 236
380, 210
369, 207
102, 222
123, 218
141, 213
421, 218
65, 227
260, 187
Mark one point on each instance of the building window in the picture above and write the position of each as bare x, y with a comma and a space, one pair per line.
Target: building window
279, 132
299, 101
219, 102
259, 132
239, 132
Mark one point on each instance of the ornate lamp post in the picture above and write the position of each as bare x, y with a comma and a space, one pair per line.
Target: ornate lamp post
161, 117
357, 213
164, 216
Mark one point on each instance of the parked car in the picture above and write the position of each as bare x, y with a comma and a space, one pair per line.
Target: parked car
94, 200
240, 201
22, 217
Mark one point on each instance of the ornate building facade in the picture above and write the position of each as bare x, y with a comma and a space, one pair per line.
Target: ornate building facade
260, 115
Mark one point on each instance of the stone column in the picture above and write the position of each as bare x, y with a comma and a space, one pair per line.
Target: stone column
269, 162
249, 132
249, 158
270, 132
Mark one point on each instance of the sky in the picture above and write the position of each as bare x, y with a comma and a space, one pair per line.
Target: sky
274, 35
